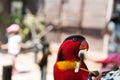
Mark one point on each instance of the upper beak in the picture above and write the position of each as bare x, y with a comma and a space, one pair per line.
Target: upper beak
84, 45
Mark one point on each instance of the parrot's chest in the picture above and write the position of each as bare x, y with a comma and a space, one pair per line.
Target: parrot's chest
70, 75
69, 71
67, 75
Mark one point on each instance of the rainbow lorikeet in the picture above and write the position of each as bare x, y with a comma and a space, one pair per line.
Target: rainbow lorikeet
68, 63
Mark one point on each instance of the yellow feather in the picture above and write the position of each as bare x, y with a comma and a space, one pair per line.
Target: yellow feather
67, 65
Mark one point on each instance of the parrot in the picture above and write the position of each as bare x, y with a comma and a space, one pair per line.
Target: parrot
68, 62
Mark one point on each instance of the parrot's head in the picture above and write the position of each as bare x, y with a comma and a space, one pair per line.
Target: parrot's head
70, 48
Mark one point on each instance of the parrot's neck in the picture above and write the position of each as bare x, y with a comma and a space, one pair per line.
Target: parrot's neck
69, 65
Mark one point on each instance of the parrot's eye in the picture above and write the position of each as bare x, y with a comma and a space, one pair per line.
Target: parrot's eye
74, 39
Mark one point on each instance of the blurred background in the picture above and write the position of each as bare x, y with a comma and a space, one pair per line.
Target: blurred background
50, 22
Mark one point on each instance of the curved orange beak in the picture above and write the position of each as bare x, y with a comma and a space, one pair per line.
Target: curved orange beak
84, 45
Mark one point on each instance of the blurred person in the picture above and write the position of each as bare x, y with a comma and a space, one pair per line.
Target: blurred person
114, 28
43, 63
14, 43
111, 65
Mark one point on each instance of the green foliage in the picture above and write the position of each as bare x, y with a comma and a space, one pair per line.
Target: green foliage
36, 23
10, 19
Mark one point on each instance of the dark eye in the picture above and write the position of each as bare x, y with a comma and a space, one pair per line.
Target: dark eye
74, 39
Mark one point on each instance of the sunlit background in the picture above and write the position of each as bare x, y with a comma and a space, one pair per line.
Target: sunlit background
51, 21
